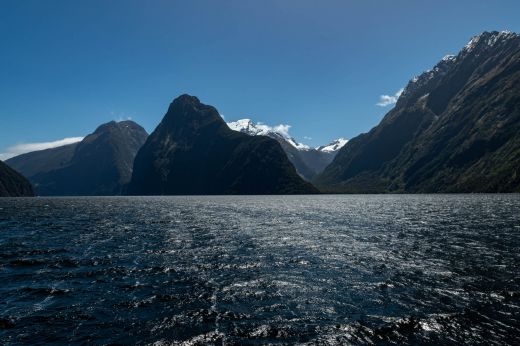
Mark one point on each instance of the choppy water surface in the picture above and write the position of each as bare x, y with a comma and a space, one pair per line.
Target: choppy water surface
260, 270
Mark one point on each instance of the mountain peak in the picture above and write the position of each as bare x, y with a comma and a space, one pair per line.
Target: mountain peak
186, 99
258, 129
192, 151
106, 127
478, 45
243, 125
187, 111
333, 146
113, 125
488, 39
126, 122
255, 129
185, 102
100, 164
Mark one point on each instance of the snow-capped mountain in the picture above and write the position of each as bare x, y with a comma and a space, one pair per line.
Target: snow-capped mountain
477, 47
455, 128
308, 161
259, 129
334, 146
489, 40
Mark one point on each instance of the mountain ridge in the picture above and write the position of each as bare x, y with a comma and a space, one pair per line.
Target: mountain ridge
453, 129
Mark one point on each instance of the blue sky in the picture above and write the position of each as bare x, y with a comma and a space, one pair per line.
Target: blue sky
319, 66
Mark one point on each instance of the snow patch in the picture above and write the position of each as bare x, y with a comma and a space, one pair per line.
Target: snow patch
259, 129
449, 57
281, 132
333, 146
492, 39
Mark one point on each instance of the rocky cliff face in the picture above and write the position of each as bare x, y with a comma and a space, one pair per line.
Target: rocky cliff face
455, 128
193, 151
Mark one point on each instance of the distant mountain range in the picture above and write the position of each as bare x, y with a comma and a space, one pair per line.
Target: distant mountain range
455, 128
101, 164
308, 161
193, 151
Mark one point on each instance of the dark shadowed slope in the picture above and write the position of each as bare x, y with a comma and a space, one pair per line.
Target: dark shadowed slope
12, 183
308, 161
193, 151
41, 161
101, 164
455, 128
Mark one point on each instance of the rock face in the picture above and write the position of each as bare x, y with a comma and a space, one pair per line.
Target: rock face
455, 128
101, 164
13, 184
193, 151
308, 161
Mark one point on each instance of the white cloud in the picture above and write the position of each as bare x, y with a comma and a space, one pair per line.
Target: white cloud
282, 129
23, 148
387, 100
307, 138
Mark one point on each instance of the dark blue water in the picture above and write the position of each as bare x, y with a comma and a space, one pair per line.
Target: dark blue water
260, 270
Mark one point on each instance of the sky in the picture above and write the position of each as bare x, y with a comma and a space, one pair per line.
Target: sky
326, 68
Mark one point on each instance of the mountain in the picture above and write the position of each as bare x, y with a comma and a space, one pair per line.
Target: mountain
334, 146
193, 151
41, 161
101, 164
13, 184
455, 128
308, 161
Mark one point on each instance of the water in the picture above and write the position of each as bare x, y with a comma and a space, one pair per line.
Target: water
261, 270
